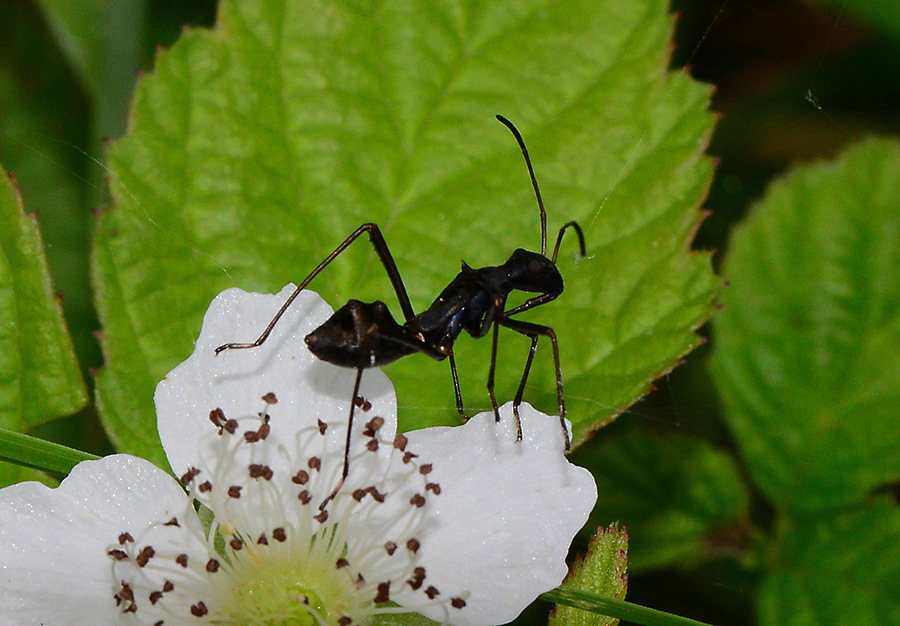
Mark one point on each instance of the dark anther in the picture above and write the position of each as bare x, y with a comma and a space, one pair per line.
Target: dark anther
144, 556
384, 592
189, 475
234, 491
212, 566
417, 500
199, 609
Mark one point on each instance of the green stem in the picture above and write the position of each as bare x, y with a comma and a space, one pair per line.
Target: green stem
39, 454
613, 607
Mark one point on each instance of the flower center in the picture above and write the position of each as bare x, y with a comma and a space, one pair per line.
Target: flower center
276, 543
286, 590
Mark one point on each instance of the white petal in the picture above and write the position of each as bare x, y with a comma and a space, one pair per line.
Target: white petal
54, 569
506, 515
235, 381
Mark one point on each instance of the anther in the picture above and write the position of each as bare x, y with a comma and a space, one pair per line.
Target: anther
182, 560
236, 543
425, 469
457, 603
199, 609
417, 579
390, 547
314, 463
384, 592
234, 491
341, 562
270, 398
413, 545
417, 500
125, 538
117, 555
345, 620
322, 517
300, 478
279, 535
205, 486
304, 496
400, 442
189, 475
322, 427
258, 470
432, 593
433, 488
173, 522
262, 541
144, 556
212, 566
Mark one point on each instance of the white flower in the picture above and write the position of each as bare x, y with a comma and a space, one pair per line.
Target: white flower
463, 525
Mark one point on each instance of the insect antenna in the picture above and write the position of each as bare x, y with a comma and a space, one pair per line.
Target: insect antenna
537, 192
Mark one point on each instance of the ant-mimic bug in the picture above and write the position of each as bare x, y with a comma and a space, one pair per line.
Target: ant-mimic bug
361, 335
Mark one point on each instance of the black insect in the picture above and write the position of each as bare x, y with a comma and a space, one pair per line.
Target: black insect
361, 335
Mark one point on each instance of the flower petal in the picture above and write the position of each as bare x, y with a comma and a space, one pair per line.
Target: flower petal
507, 512
307, 391
53, 542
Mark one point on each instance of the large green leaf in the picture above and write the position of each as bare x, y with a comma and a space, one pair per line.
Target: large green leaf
255, 148
808, 358
837, 569
39, 376
682, 500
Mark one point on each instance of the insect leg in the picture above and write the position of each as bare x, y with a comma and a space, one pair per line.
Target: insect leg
490, 382
387, 261
535, 331
456, 388
345, 470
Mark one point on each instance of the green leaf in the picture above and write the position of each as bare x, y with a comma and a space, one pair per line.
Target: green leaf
79, 29
808, 354
39, 376
40, 454
837, 569
604, 571
256, 148
682, 500
614, 607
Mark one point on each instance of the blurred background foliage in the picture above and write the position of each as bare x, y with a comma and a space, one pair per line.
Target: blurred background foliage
795, 81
